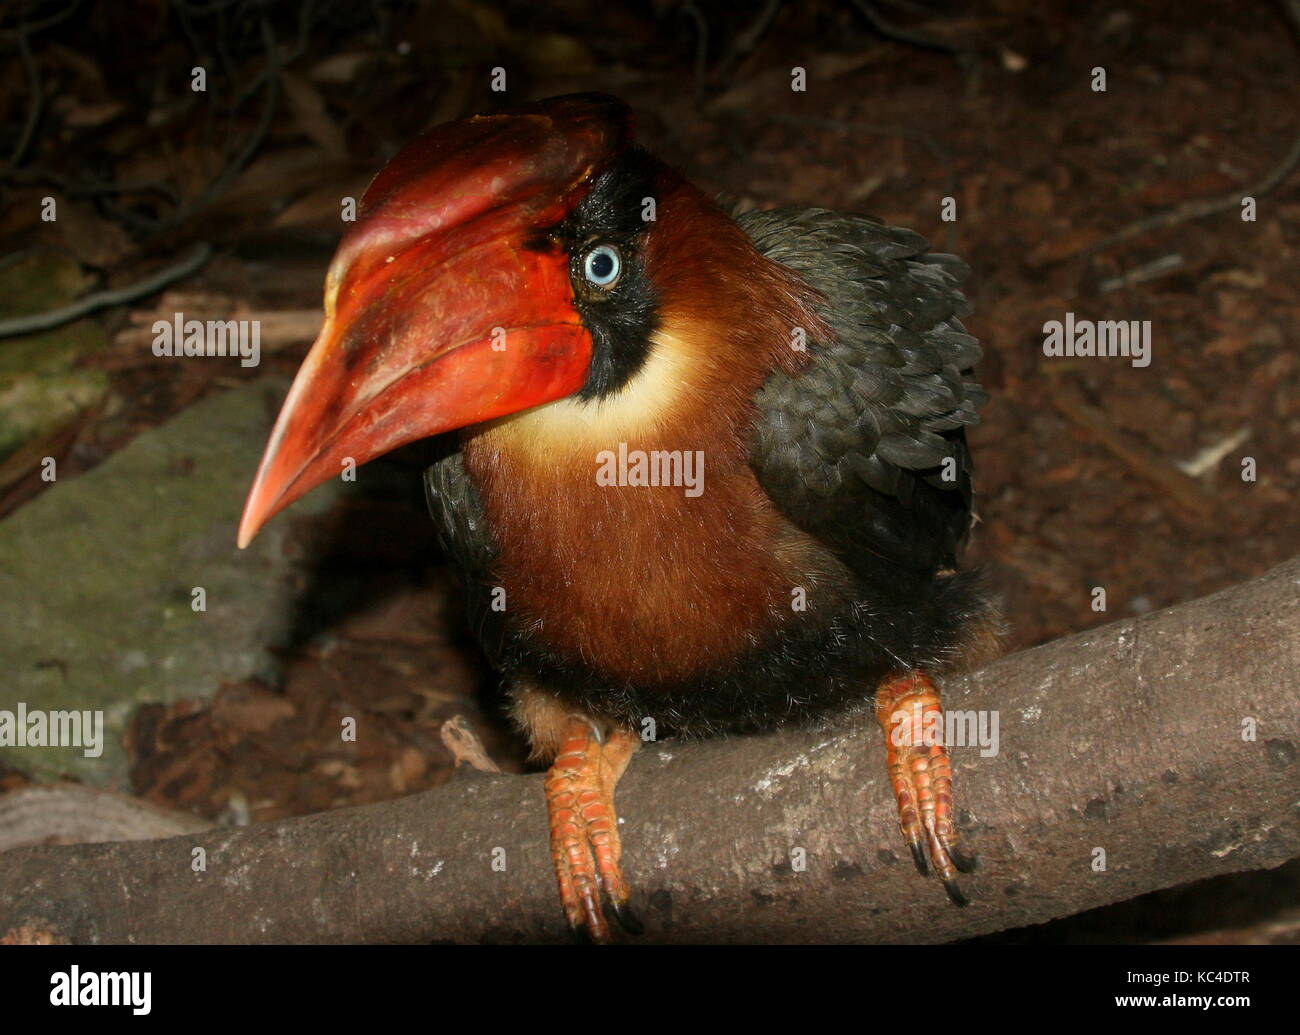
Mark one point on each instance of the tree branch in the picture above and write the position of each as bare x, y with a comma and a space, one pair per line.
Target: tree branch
1128, 738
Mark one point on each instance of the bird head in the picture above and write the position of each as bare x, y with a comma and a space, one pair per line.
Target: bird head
498, 263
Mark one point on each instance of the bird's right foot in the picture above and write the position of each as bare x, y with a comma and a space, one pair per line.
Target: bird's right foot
585, 844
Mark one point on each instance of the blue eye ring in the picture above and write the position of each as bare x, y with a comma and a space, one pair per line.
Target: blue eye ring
602, 266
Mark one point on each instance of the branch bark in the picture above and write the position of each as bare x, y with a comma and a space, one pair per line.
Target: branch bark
1128, 738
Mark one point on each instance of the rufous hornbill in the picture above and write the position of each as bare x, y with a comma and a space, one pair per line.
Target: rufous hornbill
602, 334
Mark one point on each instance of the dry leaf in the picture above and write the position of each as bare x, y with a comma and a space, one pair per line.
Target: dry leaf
309, 112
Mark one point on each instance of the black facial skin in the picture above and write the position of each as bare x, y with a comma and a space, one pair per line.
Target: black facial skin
620, 316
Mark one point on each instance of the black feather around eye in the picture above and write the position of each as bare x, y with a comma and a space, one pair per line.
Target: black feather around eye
622, 316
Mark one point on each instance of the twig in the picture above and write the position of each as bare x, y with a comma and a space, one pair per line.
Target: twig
34, 105
231, 169
966, 57
1184, 490
24, 32
749, 38
701, 46
89, 188
102, 299
1209, 458
1148, 271
464, 745
894, 32
51, 21
277, 328
1193, 210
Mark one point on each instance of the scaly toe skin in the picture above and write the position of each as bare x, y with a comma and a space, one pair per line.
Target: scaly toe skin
574, 864
908, 710
585, 845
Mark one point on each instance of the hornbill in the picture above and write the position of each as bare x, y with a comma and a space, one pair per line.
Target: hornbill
538, 282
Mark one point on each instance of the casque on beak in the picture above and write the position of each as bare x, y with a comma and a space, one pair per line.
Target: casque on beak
438, 313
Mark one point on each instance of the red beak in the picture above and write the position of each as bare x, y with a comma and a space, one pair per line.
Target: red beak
438, 313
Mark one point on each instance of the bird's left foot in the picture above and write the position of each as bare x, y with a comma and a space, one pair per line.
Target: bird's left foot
908, 710
585, 845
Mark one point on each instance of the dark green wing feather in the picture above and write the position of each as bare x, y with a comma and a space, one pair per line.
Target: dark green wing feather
865, 449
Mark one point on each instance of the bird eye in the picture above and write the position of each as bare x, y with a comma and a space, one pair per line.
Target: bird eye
602, 265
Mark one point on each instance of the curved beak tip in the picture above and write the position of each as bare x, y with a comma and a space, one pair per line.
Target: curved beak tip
257, 511
248, 529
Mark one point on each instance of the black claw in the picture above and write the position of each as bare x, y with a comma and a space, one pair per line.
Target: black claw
965, 863
918, 857
955, 893
626, 918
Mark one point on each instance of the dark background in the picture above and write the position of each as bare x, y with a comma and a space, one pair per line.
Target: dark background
1090, 472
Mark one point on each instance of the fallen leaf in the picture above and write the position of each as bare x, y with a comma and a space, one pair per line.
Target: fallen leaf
309, 112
